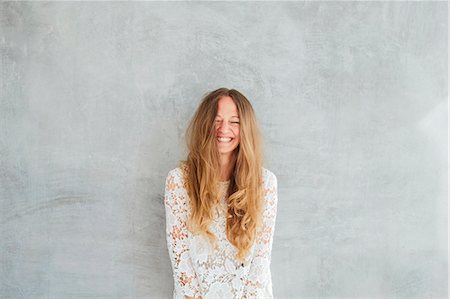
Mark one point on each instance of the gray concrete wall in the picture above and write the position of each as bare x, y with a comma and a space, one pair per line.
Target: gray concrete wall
352, 99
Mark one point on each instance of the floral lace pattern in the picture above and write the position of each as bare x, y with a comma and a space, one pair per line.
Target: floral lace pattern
198, 269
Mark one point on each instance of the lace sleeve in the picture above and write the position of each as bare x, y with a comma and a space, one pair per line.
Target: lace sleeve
185, 278
259, 282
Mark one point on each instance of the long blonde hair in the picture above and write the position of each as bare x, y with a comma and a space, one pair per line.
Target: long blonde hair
201, 172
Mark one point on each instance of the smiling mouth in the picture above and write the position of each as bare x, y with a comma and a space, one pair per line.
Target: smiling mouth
224, 140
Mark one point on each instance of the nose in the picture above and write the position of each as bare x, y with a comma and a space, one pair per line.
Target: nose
223, 127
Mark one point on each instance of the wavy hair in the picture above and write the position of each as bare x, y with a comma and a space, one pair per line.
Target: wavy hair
201, 172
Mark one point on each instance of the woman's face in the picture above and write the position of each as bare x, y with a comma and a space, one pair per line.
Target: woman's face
227, 126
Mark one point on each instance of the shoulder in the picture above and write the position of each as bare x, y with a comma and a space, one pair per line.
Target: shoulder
174, 179
270, 193
269, 178
175, 193
270, 188
175, 175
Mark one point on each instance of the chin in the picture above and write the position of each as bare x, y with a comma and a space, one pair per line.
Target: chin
227, 152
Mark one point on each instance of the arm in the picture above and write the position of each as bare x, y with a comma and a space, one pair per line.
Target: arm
176, 207
259, 282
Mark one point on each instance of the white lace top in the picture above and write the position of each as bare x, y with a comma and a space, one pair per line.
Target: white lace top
198, 269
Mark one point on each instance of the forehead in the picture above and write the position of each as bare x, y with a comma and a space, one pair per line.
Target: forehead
227, 107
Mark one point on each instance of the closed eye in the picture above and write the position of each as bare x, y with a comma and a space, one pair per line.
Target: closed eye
233, 122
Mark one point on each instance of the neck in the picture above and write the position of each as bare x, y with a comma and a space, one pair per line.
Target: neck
227, 163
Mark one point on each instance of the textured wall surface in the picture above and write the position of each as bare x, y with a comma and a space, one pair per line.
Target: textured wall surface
351, 97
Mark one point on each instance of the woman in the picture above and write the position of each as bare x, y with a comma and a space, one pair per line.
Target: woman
221, 205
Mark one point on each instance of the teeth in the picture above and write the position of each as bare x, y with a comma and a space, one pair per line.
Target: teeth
223, 139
